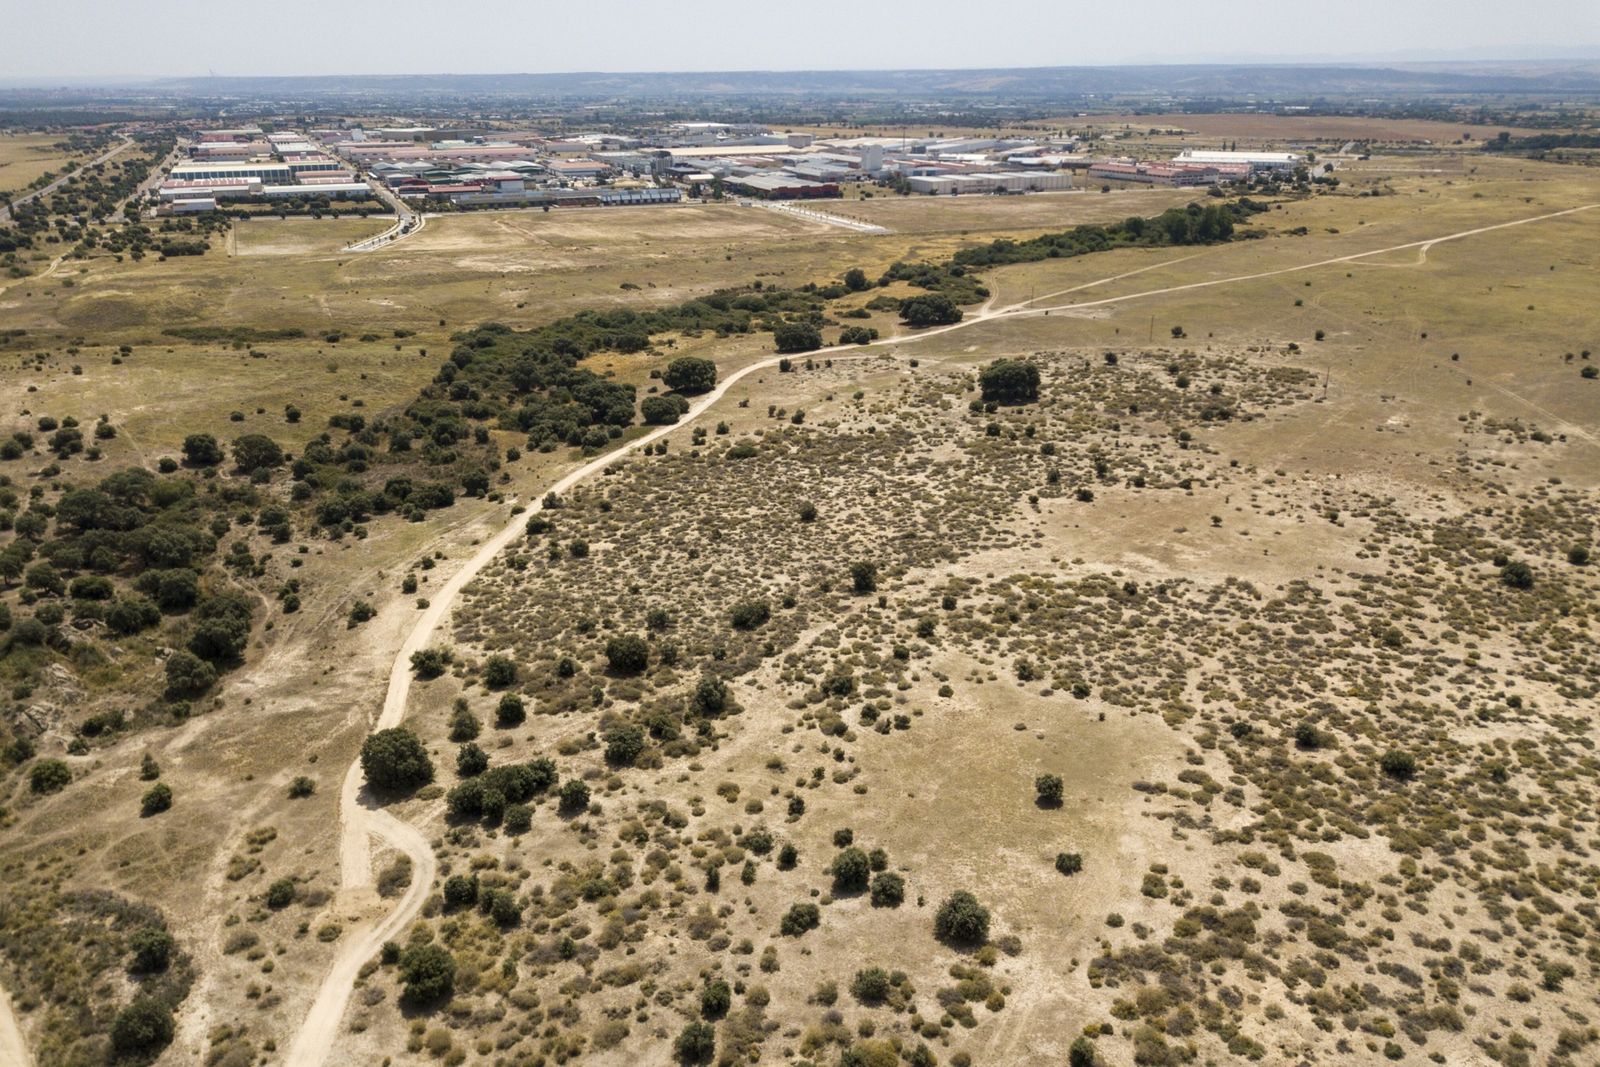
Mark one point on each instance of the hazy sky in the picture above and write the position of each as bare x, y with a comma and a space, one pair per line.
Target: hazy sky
114, 38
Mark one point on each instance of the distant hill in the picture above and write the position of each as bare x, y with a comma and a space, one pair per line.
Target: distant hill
1039, 83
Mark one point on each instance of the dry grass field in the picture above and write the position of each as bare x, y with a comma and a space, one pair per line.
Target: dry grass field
1273, 129
1224, 582
25, 156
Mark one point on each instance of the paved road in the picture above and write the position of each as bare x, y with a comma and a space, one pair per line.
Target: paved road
5, 211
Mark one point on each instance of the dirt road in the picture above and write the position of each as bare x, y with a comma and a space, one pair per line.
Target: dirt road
360, 821
13, 1049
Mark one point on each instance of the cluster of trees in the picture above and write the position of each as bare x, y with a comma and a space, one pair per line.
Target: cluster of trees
125, 552
90, 196
1010, 381
1540, 142
1195, 224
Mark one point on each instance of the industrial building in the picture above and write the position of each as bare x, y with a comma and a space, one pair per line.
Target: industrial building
782, 187
1001, 182
1256, 161
262, 171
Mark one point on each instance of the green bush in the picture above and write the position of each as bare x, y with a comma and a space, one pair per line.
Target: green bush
157, 800
888, 890
573, 795
695, 1043
142, 1029
427, 975
930, 309
49, 776
499, 672
961, 920
797, 337
1010, 381
1049, 788
1399, 764
800, 918
280, 894
152, 949
688, 374
850, 869
627, 654
662, 410
395, 760
750, 614
624, 745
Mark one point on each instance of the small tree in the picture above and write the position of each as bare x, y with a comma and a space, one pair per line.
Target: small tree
624, 745
574, 796
961, 920
855, 280
710, 698
800, 918
715, 999
202, 450
280, 894
499, 672
1010, 381
1517, 574
662, 410
864, 576
430, 662
142, 1029
888, 890
471, 760
1069, 863
157, 800
1049, 788
509, 712
696, 1043
627, 654
1399, 764
749, 614
871, 986
797, 337
152, 950
1082, 1053
851, 869
394, 759
930, 309
188, 674
688, 374
256, 451
427, 974
49, 776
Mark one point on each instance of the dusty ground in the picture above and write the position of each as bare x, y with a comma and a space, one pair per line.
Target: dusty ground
1377, 422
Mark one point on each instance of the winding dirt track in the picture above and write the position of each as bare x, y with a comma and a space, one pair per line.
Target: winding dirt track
360, 820
13, 1050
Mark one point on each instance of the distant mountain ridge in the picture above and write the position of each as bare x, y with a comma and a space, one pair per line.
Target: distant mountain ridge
1271, 79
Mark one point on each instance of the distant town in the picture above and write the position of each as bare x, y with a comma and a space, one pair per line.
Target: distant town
473, 168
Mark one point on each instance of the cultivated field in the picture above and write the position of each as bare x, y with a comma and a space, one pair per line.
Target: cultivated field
1241, 575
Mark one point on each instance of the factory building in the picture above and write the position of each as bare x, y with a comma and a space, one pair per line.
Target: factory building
782, 187
1001, 182
1275, 161
261, 171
